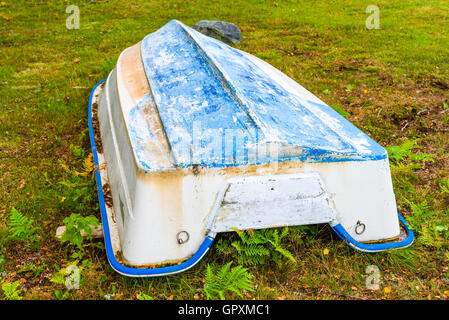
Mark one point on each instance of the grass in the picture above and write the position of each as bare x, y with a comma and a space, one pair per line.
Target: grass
392, 83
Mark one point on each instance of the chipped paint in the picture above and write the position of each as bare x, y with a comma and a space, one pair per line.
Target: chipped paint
147, 137
131, 70
208, 93
212, 116
258, 202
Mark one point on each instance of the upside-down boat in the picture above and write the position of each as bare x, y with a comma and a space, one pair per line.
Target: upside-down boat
193, 137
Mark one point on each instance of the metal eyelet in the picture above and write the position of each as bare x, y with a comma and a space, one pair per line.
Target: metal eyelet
360, 227
182, 237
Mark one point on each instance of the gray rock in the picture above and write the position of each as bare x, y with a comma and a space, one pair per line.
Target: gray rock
223, 31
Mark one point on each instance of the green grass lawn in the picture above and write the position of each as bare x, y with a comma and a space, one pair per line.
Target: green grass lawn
392, 82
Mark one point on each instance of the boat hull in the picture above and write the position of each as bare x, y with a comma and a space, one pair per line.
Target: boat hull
166, 211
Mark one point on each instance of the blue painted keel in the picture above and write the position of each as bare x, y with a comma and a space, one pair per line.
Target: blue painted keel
226, 104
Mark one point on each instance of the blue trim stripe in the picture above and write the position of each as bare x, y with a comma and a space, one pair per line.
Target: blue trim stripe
365, 247
117, 266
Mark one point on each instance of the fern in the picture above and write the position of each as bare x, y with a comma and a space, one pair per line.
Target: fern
433, 236
256, 246
227, 280
276, 243
12, 291
250, 254
20, 229
399, 153
224, 246
404, 164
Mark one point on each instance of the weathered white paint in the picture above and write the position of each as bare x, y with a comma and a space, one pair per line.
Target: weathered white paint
269, 201
166, 203
152, 207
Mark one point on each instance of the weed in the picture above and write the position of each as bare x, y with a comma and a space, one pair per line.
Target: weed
445, 118
421, 213
61, 296
12, 291
2, 263
226, 279
255, 247
444, 185
77, 151
70, 277
434, 236
75, 224
404, 163
143, 296
445, 115
77, 189
36, 270
108, 296
433, 232
21, 229
341, 111
404, 151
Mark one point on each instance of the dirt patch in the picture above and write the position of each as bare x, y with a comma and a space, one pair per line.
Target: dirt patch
96, 128
107, 195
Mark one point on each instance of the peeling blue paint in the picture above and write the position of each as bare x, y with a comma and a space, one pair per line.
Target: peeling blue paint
219, 108
140, 132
